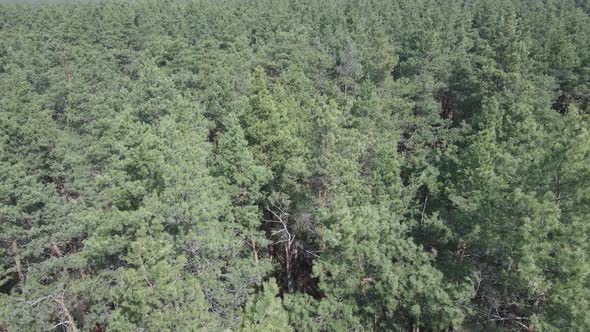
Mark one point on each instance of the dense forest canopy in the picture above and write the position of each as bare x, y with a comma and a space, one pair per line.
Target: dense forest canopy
258, 165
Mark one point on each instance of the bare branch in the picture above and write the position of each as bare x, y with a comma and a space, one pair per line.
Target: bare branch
69, 319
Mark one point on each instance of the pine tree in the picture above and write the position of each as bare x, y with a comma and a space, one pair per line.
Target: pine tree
152, 293
265, 312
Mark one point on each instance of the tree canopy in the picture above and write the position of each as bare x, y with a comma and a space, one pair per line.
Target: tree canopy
286, 165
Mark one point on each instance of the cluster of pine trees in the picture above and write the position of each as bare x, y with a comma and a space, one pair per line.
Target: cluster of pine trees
295, 165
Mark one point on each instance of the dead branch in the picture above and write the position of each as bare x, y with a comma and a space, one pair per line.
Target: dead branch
71, 325
17, 262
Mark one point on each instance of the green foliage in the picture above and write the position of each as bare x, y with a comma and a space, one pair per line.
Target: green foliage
294, 165
265, 312
153, 294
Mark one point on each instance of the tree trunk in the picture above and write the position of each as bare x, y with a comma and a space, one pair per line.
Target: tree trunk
71, 324
19, 270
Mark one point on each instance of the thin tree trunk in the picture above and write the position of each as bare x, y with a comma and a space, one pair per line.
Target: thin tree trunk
19, 270
424, 210
288, 267
558, 192
56, 251
71, 324
255, 251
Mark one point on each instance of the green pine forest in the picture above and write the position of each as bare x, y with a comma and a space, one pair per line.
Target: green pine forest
295, 165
